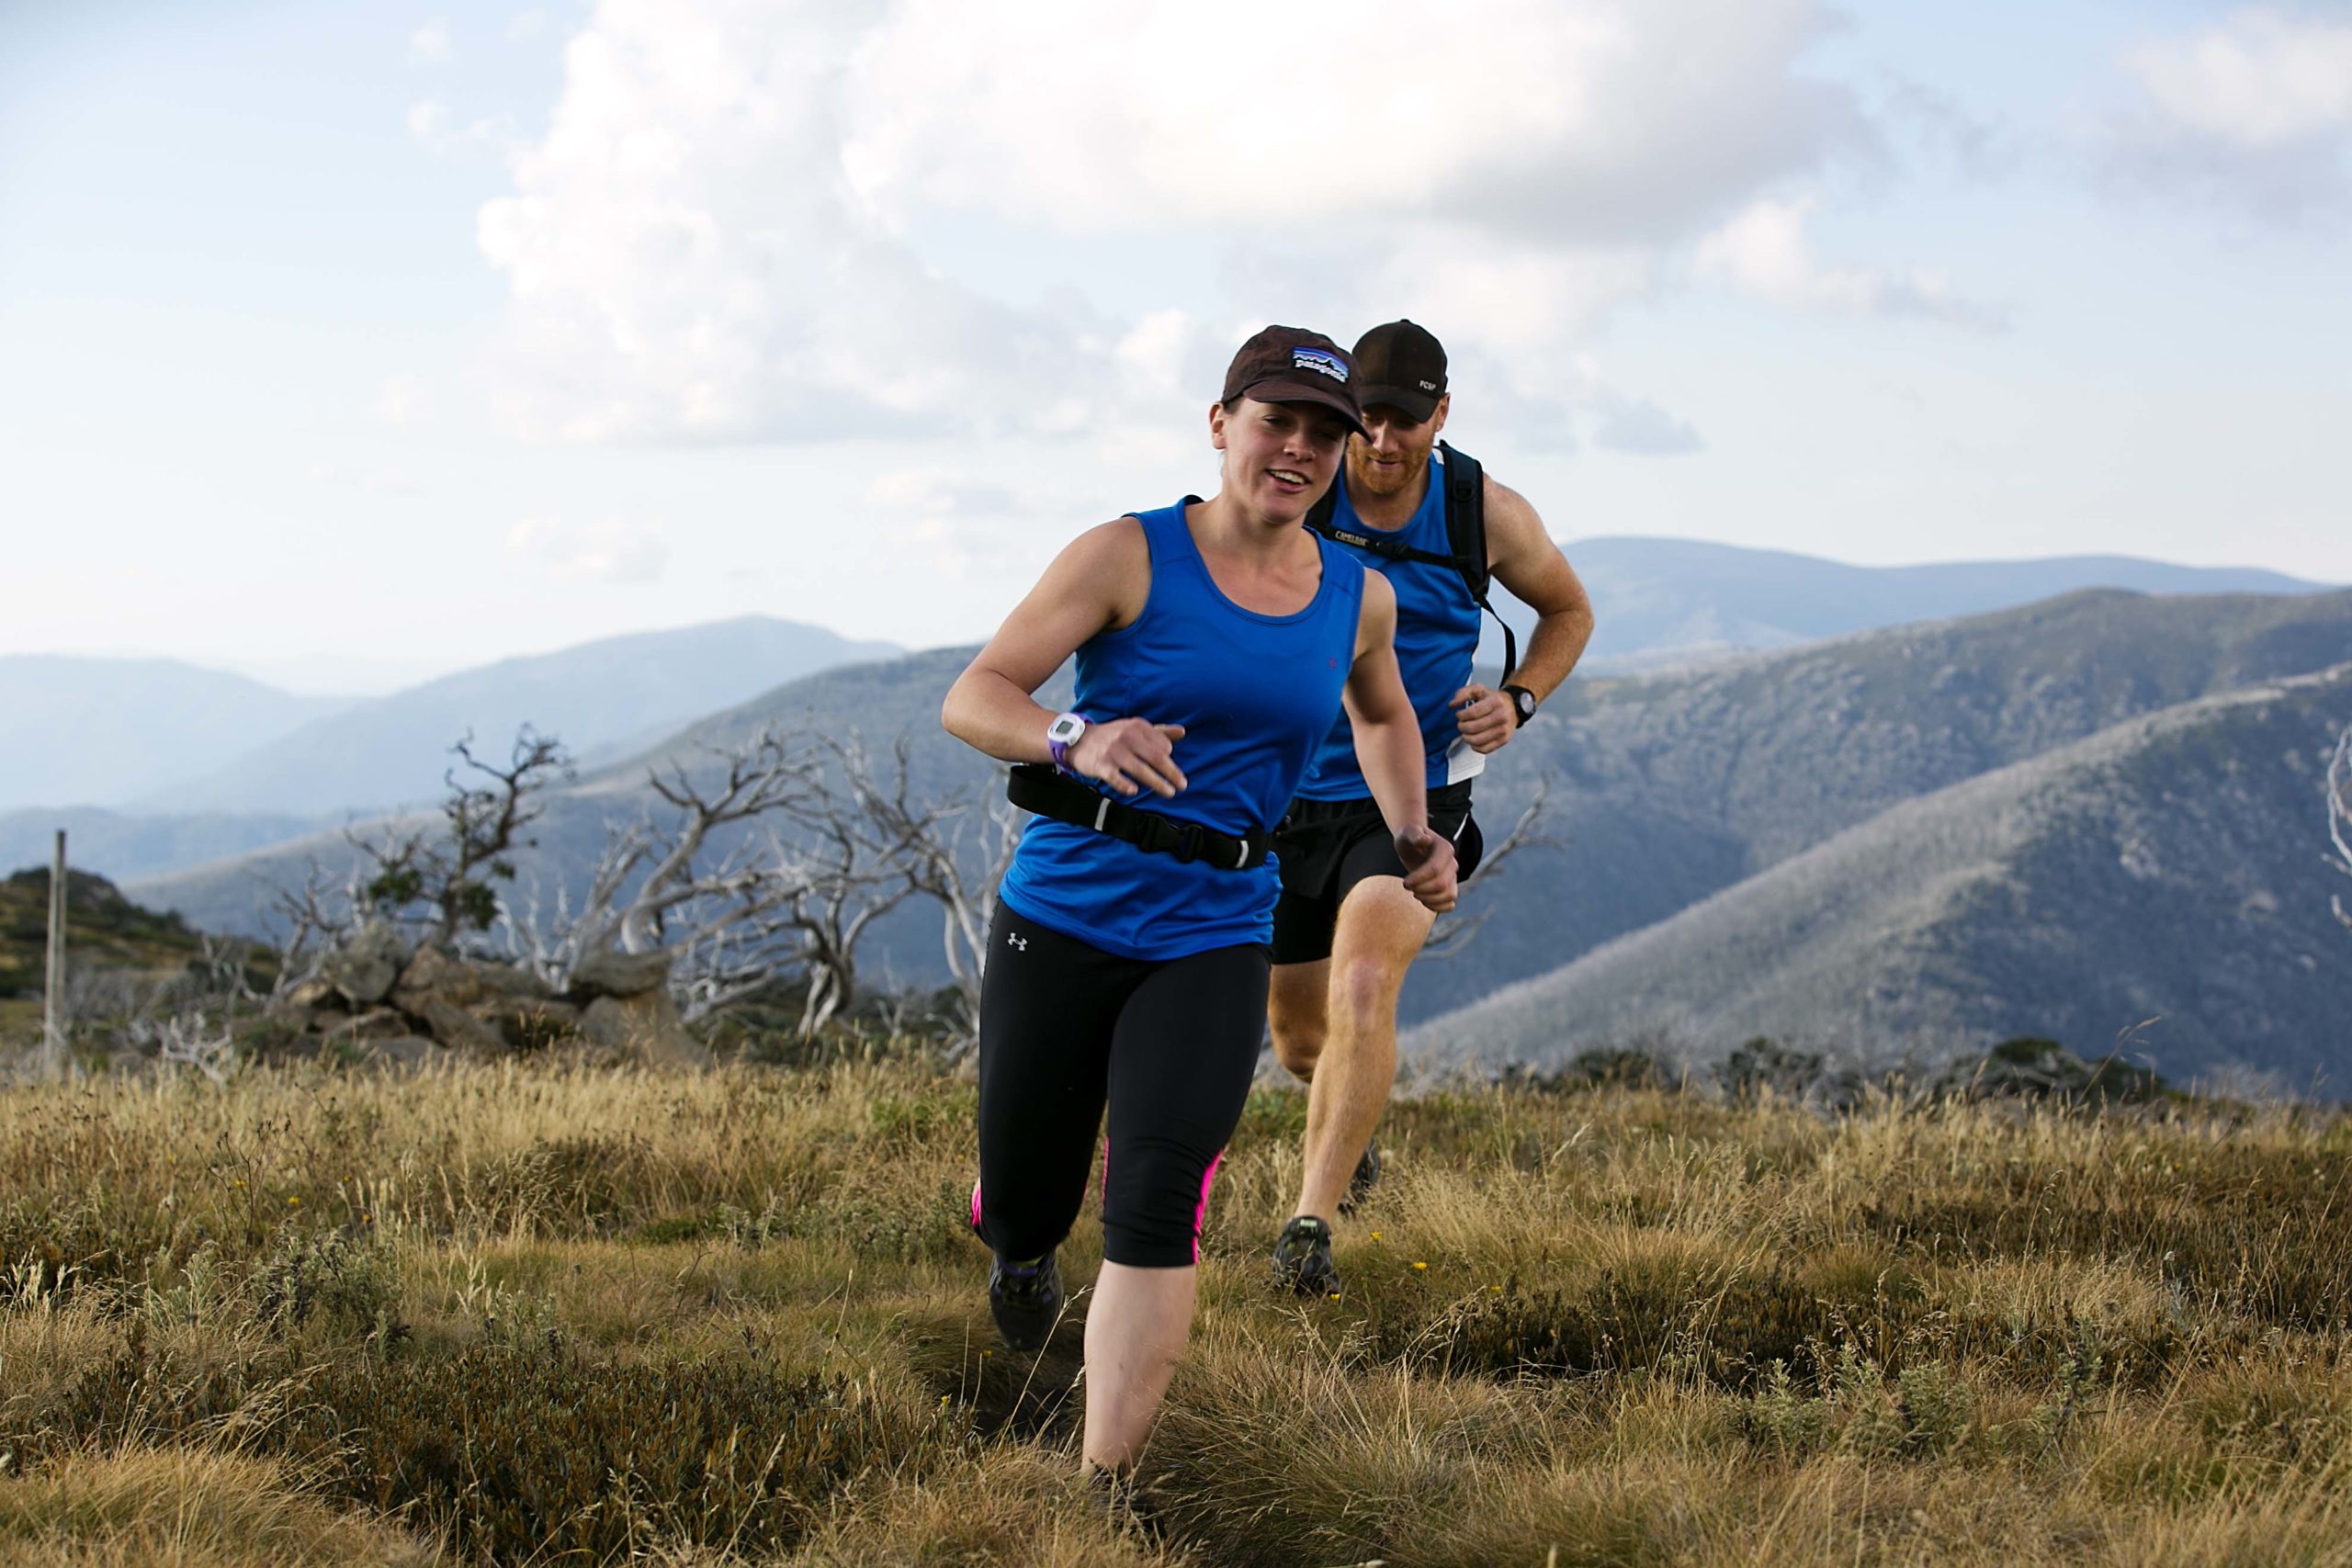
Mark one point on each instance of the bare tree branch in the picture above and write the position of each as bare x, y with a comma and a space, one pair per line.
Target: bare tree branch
2339, 816
1452, 932
844, 842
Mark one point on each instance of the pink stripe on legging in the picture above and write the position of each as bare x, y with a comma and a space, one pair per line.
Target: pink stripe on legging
1200, 1215
976, 1208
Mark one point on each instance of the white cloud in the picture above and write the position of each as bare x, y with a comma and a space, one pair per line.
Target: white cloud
402, 401
1641, 428
380, 481
719, 236
526, 24
429, 45
940, 492
1763, 253
611, 549
431, 125
1597, 119
2260, 81
2253, 113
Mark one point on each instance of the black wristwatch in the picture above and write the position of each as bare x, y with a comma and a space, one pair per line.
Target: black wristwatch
1522, 703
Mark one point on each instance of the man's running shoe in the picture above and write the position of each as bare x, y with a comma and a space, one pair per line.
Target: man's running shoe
1025, 1298
1367, 1171
1303, 1257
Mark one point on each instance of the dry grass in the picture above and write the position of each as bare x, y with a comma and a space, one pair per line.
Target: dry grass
540, 1311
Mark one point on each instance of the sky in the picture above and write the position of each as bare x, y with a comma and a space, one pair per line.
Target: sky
343, 345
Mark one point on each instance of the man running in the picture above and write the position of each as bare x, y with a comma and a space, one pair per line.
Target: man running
1346, 930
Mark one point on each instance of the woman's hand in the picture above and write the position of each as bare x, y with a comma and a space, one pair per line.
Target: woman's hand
1430, 868
1131, 755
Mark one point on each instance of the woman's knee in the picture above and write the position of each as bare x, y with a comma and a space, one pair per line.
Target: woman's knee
1155, 1200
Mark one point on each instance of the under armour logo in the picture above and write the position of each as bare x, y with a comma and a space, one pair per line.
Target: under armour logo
1017, 940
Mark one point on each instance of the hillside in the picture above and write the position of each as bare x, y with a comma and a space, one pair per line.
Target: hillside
124, 845
392, 751
103, 931
1663, 601
106, 731
2165, 869
1668, 788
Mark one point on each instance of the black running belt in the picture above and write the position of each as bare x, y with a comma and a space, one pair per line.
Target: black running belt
1050, 793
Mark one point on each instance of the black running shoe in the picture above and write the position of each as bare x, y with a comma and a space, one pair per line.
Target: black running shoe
1367, 1171
1303, 1257
1025, 1298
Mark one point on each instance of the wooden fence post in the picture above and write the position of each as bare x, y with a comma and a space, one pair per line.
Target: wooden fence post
52, 1029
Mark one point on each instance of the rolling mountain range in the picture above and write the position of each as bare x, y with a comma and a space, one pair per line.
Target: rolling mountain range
617, 692
1665, 601
1733, 810
106, 731
194, 773
2157, 886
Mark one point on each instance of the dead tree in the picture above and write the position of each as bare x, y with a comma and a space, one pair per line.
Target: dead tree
2339, 817
799, 896
961, 868
312, 917
486, 811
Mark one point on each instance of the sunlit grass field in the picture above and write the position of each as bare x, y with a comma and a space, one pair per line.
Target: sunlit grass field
541, 1313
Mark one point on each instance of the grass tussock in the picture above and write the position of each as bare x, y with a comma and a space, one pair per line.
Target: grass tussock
539, 1312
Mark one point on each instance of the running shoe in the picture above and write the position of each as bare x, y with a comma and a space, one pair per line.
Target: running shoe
1025, 1298
1367, 1171
1303, 1257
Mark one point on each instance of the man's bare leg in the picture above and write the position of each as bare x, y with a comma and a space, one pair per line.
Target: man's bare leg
1380, 931
1297, 1006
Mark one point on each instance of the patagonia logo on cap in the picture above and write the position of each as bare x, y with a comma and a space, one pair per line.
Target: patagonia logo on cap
1315, 359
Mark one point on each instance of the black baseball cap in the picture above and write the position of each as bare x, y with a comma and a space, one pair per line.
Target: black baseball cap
1291, 365
1403, 365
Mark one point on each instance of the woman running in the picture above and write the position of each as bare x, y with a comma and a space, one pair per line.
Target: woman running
1216, 643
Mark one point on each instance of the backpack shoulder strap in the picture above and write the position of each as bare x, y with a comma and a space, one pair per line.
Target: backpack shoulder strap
1326, 507
1466, 534
1466, 518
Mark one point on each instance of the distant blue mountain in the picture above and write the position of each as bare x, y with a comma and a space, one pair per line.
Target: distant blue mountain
621, 692
1665, 601
77, 731
121, 845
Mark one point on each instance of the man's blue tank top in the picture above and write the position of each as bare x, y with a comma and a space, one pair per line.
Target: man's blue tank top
1255, 693
1437, 642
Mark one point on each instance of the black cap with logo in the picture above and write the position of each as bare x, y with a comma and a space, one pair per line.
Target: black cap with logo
1291, 365
1402, 364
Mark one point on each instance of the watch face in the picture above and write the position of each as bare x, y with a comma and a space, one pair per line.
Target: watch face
1065, 728
1523, 703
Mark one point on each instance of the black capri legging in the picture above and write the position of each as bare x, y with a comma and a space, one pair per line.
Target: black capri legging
1169, 1045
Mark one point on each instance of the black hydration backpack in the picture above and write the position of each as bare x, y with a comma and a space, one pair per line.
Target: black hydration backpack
1465, 532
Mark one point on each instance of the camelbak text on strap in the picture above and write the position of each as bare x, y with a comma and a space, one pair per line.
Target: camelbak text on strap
1465, 531
1035, 787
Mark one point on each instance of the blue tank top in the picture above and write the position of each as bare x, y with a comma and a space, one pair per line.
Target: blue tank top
1255, 693
1437, 642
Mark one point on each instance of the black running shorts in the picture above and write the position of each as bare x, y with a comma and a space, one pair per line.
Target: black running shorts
1329, 846
1067, 1029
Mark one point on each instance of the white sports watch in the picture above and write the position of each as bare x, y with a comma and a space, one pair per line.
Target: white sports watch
1062, 734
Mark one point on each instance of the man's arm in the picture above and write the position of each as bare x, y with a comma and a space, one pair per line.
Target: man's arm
1523, 558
